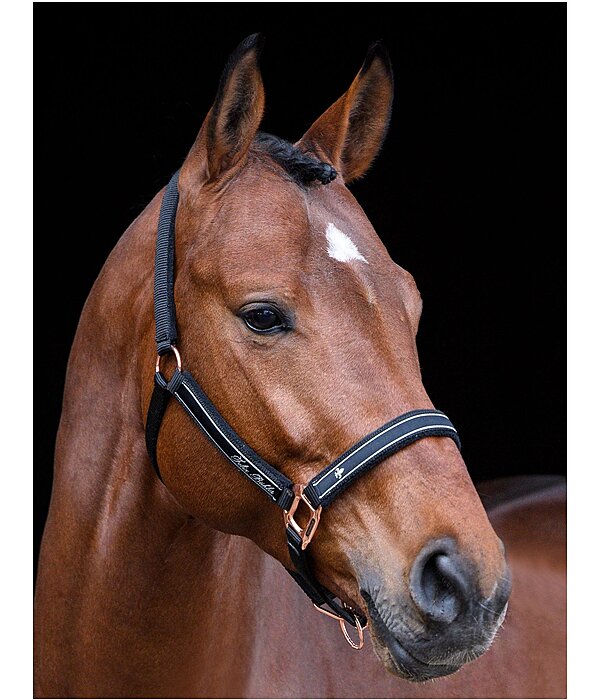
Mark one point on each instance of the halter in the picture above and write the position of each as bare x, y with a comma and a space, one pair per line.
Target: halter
322, 489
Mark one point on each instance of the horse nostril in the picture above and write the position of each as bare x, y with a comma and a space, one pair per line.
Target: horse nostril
439, 584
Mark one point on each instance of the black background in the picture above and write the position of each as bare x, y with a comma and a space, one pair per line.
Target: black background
468, 193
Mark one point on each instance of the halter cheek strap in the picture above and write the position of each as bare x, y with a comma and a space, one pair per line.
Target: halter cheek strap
320, 491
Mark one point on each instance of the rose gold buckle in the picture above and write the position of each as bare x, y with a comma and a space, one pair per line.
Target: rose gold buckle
175, 352
347, 637
309, 530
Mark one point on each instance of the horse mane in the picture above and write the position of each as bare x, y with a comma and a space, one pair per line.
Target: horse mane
303, 167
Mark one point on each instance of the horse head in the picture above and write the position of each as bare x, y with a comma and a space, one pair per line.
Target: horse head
302, 330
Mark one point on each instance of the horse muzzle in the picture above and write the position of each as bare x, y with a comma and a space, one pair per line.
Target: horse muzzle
440, 623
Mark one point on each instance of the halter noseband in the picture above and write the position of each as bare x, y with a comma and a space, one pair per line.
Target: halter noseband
320, 491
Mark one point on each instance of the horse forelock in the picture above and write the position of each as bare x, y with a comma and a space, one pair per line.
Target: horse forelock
303, 167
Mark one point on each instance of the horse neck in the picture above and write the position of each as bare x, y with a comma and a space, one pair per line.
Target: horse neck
100, 455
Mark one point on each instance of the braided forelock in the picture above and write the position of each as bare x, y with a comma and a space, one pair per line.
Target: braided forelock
302, 166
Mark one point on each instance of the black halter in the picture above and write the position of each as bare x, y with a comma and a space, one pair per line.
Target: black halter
324, 487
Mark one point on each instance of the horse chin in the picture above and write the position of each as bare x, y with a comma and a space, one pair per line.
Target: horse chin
400, 662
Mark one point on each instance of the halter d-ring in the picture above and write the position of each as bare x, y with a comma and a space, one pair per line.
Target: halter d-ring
175, 351
347, 637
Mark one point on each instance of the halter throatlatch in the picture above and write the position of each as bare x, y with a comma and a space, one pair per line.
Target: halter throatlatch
322, 489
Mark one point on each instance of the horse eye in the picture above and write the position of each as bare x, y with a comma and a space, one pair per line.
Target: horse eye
263, 319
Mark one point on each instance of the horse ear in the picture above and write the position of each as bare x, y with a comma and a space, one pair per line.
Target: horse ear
351, 132
234, 118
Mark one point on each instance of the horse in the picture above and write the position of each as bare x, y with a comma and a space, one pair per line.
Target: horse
302, 330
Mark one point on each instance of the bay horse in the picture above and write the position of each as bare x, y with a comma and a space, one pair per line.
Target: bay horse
302, 330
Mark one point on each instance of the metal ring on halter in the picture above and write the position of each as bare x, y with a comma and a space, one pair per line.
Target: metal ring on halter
359, 627
307, 532
175, 352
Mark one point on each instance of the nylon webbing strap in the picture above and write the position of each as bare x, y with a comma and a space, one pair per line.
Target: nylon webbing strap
304, 577
164, 269
203, 412
374, 448
156, 413
329, 483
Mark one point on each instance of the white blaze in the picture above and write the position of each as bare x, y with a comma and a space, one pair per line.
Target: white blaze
340, 247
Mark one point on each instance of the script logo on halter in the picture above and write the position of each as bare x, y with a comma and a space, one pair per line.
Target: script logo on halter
242, 464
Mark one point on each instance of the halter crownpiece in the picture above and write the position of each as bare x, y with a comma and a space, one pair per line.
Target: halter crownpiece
322, 489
